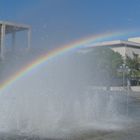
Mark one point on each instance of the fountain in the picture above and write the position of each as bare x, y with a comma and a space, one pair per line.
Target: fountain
53, 101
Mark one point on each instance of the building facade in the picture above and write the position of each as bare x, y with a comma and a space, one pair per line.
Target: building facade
125, 48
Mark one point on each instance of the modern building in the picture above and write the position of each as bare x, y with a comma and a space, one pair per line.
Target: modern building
125, 48
12, 28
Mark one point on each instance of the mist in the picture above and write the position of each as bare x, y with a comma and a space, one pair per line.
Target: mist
58, 99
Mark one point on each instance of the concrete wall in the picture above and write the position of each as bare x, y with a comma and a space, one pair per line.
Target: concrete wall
130, 51
126, 50
135, 39
135, 88
121, 50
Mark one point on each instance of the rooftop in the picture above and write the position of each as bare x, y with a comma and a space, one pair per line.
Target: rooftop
116, 43
11, 27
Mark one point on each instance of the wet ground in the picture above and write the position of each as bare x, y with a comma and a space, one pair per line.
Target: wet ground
130, 132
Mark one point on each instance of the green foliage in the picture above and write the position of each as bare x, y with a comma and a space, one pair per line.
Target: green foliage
100, 64
109, 63
134, 64
106, 61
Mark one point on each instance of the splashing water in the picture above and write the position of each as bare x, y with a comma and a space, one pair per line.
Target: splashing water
53, 102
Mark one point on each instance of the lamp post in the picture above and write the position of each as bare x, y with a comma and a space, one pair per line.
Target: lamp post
124, 69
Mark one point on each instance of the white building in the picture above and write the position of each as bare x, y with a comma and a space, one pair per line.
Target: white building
125, 48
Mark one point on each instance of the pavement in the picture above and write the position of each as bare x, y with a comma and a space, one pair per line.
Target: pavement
130, 132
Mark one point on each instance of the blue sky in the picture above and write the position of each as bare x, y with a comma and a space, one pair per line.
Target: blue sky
56, 22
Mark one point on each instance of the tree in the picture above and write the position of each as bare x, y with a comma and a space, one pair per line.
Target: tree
101, 65
134, 64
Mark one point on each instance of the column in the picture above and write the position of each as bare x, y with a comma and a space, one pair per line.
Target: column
2, 42
13, 40
29, 39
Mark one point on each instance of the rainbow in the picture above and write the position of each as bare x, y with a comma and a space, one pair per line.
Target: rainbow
57, 52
